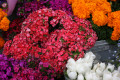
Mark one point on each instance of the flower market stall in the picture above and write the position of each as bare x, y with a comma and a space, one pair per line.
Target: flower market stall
60, 40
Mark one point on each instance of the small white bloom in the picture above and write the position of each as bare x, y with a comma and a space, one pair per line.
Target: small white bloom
71, 65
89, 57
92, 76
99, 68
110, 67
72, 75
80, 77
80, 68
68, 71
107, 75
116, 75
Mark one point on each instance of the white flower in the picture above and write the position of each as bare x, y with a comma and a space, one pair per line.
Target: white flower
71, 65
80, 68
110, 67
89, 57
68, 71
116, 75
99, 68
80, 60
107, 75
92, 76
72, 75
80, 77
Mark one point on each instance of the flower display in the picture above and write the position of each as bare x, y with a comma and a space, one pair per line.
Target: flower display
61, 5
29, 7
4, 22
83, 9
113, 22
8, 66
52, 36
84, 69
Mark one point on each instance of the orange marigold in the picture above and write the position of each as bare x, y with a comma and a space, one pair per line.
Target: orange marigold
2, 42
115, 34
2, 14
114, 19
106, 7
99, 18
81, 10
4, 24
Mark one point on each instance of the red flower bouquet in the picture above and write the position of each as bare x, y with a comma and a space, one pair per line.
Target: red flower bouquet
52, 36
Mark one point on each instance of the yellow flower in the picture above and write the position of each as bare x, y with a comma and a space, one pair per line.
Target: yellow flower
4, 24
2, 42
99, 18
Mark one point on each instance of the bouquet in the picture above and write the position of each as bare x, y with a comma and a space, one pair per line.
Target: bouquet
84, 69
53, 37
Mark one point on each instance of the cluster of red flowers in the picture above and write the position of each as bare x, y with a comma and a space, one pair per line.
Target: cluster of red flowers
52, 36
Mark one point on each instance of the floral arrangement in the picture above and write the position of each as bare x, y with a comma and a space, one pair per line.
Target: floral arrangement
52, 36
113, 22
84, 69
100, 14
32, 69
28, 7
9, 66
61, 5
4, 22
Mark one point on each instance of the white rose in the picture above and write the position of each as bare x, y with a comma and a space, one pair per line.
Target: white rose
89, 56
71, 65
116, 75
92, 76
99, 68
107, 75
110, 67
80, 60
80, 68
72, 75
80, 77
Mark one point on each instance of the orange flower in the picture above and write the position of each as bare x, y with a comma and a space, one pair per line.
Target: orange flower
4, 24
2, 42
99, 18
114, 19
115, 34
81, 11
2, 14
105, 6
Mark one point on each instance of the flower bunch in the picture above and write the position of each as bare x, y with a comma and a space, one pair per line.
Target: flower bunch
83, 69
52, 36
61, 5
14, 28
4, 22
113, 22
35, 71
98, 9
29, 7
8, 66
